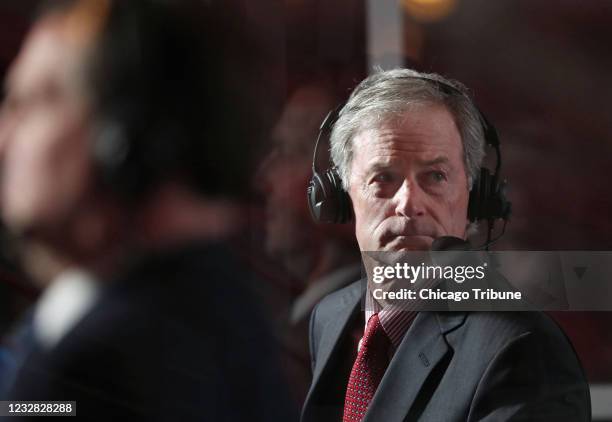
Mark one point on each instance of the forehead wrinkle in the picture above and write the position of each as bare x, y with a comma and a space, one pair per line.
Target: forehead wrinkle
430, 137
417, 151
414, 119
431, 143
381, 162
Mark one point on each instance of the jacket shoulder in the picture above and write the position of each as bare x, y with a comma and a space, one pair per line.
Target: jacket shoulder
501, 327
524, 358
329, 305
330, 308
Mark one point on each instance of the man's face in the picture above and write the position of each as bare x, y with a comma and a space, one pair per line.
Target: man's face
43, 132
284, 175
408, 182
286, 171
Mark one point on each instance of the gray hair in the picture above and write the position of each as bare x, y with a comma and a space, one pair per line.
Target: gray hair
389, 94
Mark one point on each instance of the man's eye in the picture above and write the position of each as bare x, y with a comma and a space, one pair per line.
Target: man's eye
382, 178
437, 176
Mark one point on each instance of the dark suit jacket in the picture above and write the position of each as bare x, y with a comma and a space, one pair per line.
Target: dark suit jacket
451, 366
175, 337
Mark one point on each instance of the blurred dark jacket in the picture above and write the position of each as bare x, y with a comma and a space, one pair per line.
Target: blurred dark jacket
176, 337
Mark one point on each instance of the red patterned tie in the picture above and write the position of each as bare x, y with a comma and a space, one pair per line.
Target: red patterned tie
368, 370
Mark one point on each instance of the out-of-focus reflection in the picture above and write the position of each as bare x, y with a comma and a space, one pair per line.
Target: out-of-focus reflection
319, 259
123, 168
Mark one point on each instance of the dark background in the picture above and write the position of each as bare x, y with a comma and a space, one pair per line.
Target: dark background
538, 69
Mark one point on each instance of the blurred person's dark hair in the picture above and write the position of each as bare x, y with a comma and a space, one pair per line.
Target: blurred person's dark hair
164, 108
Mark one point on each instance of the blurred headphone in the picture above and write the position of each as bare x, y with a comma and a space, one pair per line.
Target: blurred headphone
160, 111
330, 203
133, 143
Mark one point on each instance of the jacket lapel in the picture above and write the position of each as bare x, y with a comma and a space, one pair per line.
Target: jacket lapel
420, 351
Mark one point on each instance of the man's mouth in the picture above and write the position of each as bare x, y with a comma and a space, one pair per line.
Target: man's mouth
402, 242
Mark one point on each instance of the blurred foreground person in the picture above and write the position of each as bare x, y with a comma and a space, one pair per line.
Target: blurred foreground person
121, 146
321, 259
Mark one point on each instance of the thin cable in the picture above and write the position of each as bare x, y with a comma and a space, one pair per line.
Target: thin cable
489, 241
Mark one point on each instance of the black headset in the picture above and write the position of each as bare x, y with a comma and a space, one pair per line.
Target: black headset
330, 203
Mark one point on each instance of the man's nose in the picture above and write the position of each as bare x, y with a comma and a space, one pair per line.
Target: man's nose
409, 200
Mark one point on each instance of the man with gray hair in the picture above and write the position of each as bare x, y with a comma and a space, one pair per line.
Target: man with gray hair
408, 148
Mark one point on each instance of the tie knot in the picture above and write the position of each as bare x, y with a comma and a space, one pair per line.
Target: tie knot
374, 329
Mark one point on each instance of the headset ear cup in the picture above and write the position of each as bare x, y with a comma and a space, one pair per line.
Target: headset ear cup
505, 206
327, 200
499, 206
488, 198
479, 196
315, 195
111, 151
344, 209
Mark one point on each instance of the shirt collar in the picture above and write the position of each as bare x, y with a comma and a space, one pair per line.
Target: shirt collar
62, 305
395, 320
